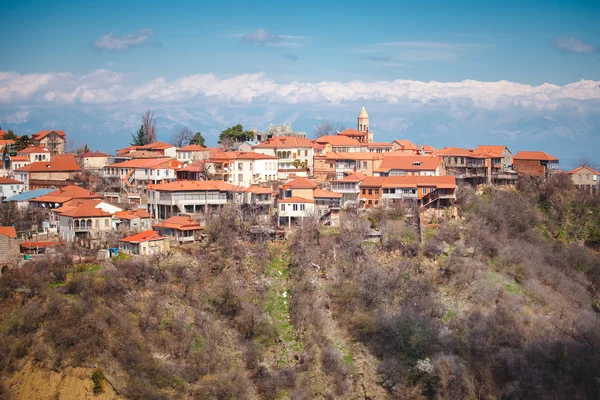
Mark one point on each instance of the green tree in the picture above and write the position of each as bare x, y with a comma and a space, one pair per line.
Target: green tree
236, 133
198, 139
10, 135
22, 143
138, 139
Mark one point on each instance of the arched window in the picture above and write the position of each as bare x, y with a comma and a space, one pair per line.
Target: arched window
89, 224
76, 223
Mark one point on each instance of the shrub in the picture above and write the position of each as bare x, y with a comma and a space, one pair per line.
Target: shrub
98, 379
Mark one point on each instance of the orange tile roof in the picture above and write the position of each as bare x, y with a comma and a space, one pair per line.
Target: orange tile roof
534, 155
320, 193
282, 142
353, 133
190, 186
353, 177
338, 140
85, 211
295, 199
33, 149
259, 190
197, 166
132, 214
358, 155
90, 154
60, 163
238, 155
31, 245
155, 146
145, 236
148, 163
583, 168
407, 163
197, 147
66, 194
378, 144
441, 182
19, 158
494, 150
8, 231
180, 223
300, 183
373, 181
406, 144
8, 181
42, 134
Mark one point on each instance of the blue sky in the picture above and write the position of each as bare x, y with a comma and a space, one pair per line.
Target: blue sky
94, 66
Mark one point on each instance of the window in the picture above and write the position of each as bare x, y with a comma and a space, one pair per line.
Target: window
305, 153
330, 165
364, 191
385, 191
424, 190
370, 202
364, 165
376, 191
240, 167
283, 207
376, 202
145, 172
106, 223
294, 207
302, 207
370, 191
158, 172
240, 178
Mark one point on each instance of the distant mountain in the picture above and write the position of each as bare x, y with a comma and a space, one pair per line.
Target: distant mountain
563, 132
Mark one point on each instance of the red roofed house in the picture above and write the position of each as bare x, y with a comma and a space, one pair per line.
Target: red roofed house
17, 162
403, 164
182, 228
35, 153
92, 160
362, 134
295, 154
86, 225
144, 243
339, 143
57, 172
195, 152
133, 220
300, 198
242, 169
52, 140
349, 188
63, 195
10, 187
140, 172
378, 147
190, 197
535, 163
586, 178
336, 165
427, 191
159, 148
8, 247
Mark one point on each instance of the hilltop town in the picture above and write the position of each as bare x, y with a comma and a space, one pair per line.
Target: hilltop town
148, 197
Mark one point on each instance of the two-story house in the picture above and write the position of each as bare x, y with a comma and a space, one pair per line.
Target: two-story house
337, 165
339, 143
145, 243
295, 154
586, 178
53, 140
300, 198
141, 172
85, 225
181, 228
11, 187
243, 169
426, 191
57, 172
194, 152
94, 161
535, 163
401, 164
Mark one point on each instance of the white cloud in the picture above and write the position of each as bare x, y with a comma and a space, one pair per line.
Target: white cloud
112, 42
109, 87
574, 45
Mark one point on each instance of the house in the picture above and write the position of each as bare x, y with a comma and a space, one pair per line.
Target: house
295, 154
10, 187
405, 146
300, 198
469, 166
141, 172
57, 172
327, 205
155, 148
181, 228
17, 162
535, 163
22, 199
133, 220
244, 147
586, 178
59, 197
378, 147
294, 209
144, 243
92, 160
349, 188
85, 225
194, 171
54, 141
339, 143
336, 165
190, 197
403, 164
195, 152
427, 191
35, 153
9, 249
243, 169
55, 213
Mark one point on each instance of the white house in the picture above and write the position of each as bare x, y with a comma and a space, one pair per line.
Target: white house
295, 153
10, 187
144, 171
243, 169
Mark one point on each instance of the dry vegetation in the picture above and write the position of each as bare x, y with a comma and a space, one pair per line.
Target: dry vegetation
500, 304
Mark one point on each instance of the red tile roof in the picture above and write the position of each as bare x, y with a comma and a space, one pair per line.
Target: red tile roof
8, 231
19, 158
42, 134
33, 149
282, 142
338, 140
352, 133
320, 193
148, 163
378, 144
180, 223
90, 154
353, 177
494, 150
441, 182
85, 210
145, 236
593, 171
300, 183
238, 155
406, 144
66, 194
351, 155
191, 186
534, 155
407, 163
60, 163
132, 214
32, 245
295, 199
259, 190
8, 181
197, 147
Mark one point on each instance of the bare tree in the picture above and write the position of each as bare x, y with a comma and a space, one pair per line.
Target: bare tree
327, 128
585, 162
181, 137
149, 127
226, 144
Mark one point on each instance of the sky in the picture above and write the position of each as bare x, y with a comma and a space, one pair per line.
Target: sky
458, 72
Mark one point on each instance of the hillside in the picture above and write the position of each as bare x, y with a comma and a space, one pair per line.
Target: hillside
501, 303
